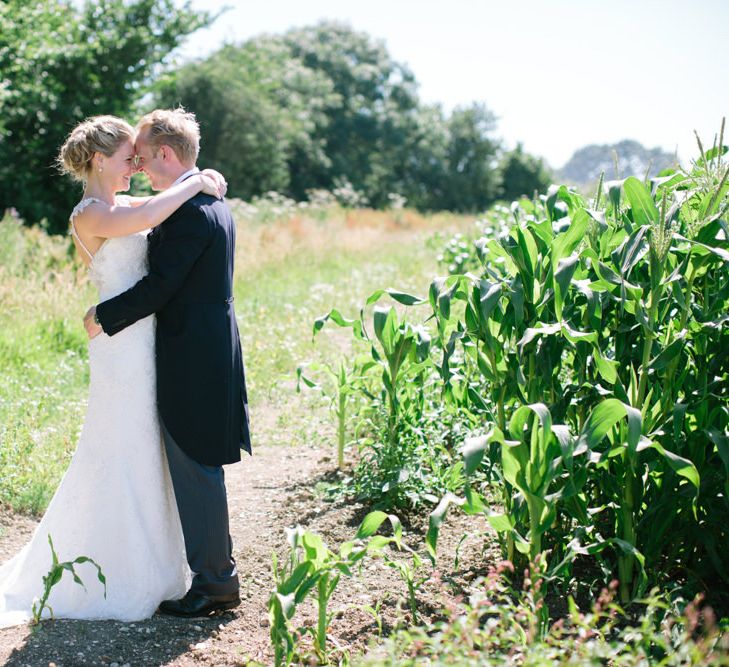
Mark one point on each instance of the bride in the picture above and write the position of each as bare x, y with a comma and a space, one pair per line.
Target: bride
115, 503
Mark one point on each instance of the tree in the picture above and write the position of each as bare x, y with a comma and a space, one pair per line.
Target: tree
420, 167
633, 159
258, 110
372, 114
473, 178
60, 63
522, 174
325, 104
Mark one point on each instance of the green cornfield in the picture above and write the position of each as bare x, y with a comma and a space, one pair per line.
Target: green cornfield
569, 380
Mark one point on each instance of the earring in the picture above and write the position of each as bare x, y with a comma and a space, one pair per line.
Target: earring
101, 169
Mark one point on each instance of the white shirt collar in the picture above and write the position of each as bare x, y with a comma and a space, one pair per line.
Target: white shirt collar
182, 177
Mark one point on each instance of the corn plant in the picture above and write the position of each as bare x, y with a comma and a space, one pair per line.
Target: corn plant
413, 582
55, 574
312, 568
592, 349
344, 385
401, 350
610, 312
500, 624
550, 467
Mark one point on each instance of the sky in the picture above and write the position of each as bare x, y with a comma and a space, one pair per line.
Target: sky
558, 74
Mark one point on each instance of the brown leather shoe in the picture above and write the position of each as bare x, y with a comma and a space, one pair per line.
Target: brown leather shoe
196, 604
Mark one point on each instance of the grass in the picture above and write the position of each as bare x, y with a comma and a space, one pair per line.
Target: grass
43, 363
290, 269
498, 625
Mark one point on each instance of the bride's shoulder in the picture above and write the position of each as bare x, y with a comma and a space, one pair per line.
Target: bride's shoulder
83, 205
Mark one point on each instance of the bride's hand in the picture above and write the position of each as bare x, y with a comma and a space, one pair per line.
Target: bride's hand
219, 180
209, 186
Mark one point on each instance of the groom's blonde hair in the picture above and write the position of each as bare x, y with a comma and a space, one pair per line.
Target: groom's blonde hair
175, 128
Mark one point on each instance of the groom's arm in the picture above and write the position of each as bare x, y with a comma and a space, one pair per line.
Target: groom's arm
184, 238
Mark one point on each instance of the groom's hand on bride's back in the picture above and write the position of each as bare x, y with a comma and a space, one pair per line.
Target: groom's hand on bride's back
91, 324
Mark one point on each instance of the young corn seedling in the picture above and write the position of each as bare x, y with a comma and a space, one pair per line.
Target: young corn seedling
401, 349
314, 569
55, 574
344, 384
409, 575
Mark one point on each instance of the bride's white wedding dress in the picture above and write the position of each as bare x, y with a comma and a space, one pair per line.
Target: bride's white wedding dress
115, 503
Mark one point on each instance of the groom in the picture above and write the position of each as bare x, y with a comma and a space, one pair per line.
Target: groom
201, 392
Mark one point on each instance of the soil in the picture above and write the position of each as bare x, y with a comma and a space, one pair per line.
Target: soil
275, 489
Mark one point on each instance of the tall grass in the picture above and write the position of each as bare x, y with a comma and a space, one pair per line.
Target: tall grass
43, 362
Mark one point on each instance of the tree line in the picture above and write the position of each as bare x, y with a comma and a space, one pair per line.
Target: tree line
318, 107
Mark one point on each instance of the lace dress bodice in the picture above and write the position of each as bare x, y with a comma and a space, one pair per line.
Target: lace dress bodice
120, 262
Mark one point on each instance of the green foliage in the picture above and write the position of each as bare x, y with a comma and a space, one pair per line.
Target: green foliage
471, 180
458, 256
43, 352
313, 569
55, 574
522, 175
462, 253
498, 625
413, 472
318, 108
587, 356
259, 109
61, 62
412, 578
346, 383
600, 318
368, 125
398, 347
324, 108
404, 458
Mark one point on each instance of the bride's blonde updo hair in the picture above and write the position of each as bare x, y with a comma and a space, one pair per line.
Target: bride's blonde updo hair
102, 134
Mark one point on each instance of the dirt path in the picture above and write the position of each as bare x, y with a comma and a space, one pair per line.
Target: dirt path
272, 490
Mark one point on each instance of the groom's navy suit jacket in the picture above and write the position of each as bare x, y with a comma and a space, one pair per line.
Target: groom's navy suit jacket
201, 389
